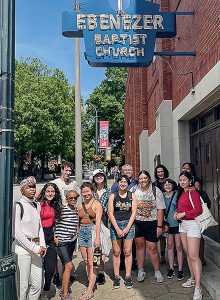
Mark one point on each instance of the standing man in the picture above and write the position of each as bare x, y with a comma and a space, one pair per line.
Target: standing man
127, 170
64, 185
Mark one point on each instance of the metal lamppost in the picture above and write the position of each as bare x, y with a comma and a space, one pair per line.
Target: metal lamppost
96, 133
7, 68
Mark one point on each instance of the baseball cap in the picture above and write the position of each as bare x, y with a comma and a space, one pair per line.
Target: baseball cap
98, 171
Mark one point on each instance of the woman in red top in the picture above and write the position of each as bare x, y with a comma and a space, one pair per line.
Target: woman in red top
50, 201
189, 230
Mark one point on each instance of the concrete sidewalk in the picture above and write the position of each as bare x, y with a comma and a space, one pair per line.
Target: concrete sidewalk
170, 289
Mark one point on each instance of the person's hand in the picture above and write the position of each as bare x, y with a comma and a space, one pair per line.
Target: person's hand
159, 232
120, 232
175, 216
179, 216
97, 243
56, 241
125, 230
42, 251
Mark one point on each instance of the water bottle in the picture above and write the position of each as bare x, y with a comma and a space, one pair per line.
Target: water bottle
96, 257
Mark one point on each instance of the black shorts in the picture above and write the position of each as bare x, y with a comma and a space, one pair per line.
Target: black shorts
174, 230
146, 229
65, 251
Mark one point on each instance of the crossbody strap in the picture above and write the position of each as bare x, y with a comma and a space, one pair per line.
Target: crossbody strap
168, 210
190, 199
86, 212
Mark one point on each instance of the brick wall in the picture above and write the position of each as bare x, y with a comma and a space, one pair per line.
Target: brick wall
148, 87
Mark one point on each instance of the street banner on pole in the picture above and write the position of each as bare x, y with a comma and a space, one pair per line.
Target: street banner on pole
103, 134
108, 155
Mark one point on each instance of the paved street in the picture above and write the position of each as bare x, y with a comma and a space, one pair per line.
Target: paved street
171, 289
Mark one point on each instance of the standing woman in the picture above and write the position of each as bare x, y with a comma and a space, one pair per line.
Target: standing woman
50, 201
90, 214
189, 231
101, 193
29, 243
148, 224
173, 239
122, 210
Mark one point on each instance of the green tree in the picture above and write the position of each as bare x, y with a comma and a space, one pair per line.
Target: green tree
109, 99
44, 114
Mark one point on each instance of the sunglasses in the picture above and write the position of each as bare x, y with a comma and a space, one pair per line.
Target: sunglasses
72, 198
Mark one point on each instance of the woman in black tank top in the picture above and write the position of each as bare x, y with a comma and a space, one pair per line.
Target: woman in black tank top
122, 211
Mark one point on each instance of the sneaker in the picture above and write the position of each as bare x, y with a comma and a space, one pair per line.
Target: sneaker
100, 278
128, 282
197, 293
141, 275
180, 275
162, 260
56, 279
116, 283
67, 297
189, 283
170, 273
158, 276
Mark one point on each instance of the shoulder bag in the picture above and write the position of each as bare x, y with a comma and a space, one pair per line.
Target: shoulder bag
206, 219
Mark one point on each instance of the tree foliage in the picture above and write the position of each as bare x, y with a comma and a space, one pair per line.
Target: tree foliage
44, 114
109, 99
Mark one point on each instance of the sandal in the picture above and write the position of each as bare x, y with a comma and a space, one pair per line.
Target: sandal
86, 296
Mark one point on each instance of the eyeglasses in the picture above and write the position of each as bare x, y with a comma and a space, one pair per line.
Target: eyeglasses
72, 198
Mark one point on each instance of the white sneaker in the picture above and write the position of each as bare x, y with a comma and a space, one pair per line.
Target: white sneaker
189, 283
159, 277
197, 293
141, 275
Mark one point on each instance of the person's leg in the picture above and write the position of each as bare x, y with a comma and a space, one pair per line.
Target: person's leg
184, 240
127, 247
66, 277
193, 253
49, 265
116, 247
91, 270
140, 251
83, 251
170, 250
202, 250
23, 272
36, 278
154, 255
162, 250
179, 250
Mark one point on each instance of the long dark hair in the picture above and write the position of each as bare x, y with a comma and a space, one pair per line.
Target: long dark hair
145, 173
166, 172
56, 202
180, 189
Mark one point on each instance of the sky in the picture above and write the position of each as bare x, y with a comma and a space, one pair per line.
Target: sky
39, 34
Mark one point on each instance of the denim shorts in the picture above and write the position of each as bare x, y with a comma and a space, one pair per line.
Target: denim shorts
85, 236
65, 251
122, 225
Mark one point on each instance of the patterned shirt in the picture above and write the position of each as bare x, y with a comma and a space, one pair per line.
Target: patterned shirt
104, 199
147, 204
66, 227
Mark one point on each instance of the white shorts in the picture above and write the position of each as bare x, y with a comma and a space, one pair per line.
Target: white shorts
190, 227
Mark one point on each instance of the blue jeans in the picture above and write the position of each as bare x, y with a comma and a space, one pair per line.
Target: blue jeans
122, 225
85, 236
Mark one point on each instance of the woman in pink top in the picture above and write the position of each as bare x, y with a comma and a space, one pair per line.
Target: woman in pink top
50, 201
189, 230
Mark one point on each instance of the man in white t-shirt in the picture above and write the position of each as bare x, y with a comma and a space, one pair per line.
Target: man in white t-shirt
64, 183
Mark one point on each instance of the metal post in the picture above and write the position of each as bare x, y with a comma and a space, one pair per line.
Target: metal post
78, 126
96, 133
120, 5
7, 67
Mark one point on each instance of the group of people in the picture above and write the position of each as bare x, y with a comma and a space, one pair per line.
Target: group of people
129, 218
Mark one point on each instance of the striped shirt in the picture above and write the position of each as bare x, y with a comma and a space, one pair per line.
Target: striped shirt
66, 227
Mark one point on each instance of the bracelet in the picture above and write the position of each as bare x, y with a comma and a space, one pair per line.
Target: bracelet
159, 226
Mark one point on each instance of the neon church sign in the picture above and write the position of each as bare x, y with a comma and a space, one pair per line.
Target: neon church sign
121, 38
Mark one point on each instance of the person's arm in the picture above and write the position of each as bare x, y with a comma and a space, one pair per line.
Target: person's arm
133, 214
98, 211
111, 215
160, 211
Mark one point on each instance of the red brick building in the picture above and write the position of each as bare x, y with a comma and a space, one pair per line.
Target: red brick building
172, 108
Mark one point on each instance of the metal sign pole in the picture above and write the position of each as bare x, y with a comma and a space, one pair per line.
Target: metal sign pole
119, 5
